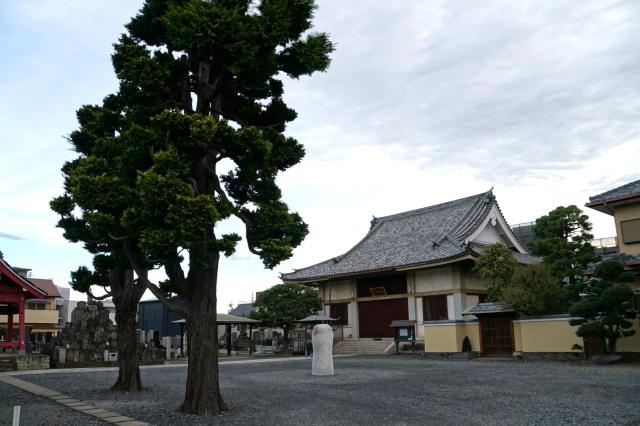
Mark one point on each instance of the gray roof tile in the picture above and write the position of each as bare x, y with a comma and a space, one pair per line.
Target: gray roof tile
627, 190
418, 236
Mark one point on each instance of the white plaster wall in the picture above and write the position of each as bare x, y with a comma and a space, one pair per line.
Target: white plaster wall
337, 290
473, 281
434, 279
490, 235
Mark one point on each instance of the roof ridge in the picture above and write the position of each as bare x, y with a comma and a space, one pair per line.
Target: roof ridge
426, 209
473, 212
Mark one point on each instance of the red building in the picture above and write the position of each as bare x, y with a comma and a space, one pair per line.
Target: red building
15, 290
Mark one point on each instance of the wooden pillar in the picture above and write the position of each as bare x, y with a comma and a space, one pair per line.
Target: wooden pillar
228, 330
250, 338
21, 325
9, 332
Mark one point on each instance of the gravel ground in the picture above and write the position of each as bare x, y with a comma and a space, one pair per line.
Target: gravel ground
39, 411
381, 391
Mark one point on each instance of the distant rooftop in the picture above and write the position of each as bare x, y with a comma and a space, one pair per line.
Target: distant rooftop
617, 195
47, 286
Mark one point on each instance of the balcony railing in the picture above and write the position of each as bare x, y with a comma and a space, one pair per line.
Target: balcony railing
605, 242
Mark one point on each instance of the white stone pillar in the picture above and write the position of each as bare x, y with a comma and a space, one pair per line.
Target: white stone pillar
411, 304
456, 313
419, 317
353, 319
322, 338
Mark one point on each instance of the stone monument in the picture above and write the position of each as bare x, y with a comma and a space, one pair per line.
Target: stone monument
322, 338
89, 334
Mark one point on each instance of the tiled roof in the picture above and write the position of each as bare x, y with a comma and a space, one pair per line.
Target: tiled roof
488, 308
47, 286
624, 191
242, 310
415, 237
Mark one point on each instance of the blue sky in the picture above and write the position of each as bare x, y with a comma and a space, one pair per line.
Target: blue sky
424, 102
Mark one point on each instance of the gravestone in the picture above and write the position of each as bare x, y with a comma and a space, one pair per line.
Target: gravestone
89, 334
322, 339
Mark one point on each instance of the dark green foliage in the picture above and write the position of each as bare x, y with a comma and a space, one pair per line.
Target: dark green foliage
283, 304
534, 291
496, 266
199, 85
564, 241
529, 289
606, 310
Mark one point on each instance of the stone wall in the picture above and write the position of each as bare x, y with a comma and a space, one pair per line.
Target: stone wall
89, 333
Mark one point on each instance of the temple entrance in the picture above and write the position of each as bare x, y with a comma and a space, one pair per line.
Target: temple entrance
375, 316
496, 334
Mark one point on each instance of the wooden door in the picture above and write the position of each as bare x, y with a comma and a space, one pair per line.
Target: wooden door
375, 316
497, 334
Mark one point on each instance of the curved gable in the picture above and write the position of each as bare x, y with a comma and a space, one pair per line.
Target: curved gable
495, 229
8, 275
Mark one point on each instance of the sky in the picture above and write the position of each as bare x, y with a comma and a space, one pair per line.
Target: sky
424, 102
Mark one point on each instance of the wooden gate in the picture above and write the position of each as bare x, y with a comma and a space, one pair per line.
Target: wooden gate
375, 316
496, 334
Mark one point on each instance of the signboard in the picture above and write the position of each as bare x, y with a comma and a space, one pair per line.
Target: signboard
378, 291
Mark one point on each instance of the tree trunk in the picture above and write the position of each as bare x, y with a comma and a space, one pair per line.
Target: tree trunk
285, 339
202, 396
611, 345
126, 295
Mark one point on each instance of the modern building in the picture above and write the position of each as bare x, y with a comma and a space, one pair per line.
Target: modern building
41, 314
623, 203
62, 305
154, 315
416, 265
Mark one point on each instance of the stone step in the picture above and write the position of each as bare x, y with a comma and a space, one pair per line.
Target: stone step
361, 347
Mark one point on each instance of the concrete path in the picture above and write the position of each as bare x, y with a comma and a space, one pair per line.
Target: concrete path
160, 366
71, 403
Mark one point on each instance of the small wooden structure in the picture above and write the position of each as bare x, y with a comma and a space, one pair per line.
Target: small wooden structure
404, 331
15, 290
229, 320
496, 328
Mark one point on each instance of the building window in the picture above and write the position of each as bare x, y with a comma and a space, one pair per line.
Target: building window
339, 311
630, 231
36, 306
434, 308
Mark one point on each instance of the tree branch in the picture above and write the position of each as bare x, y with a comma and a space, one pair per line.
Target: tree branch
94, 297
142, 277
116, 238
161, 297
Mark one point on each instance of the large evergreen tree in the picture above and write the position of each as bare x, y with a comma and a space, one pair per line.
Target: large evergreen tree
96, 195
563, 239
194, 136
